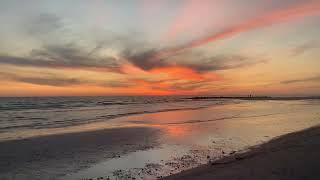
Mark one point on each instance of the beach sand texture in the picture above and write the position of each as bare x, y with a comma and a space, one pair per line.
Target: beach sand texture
294, 156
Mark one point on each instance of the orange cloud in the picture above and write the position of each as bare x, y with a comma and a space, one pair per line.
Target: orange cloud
178, 80
178, 72
169, 80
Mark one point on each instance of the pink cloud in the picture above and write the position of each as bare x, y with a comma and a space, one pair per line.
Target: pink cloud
274, 17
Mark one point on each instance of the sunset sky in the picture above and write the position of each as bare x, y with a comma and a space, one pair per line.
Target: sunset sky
159, 47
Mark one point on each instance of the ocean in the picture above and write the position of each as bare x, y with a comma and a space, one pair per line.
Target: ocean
20, 114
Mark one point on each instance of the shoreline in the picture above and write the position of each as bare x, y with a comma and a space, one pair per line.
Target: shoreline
291, 156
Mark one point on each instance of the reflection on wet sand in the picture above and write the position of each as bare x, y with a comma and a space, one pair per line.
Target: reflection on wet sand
215, 132
175, 131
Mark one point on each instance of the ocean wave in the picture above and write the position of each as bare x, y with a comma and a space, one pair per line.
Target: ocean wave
40, 113
220, 119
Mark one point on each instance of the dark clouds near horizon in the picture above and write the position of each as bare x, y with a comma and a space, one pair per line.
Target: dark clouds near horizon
304, 80
60, 81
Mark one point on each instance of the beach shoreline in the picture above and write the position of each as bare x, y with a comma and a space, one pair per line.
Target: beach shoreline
156, 145
291, 156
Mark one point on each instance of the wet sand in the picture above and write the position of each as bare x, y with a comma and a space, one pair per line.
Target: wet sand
292, 156
50, 157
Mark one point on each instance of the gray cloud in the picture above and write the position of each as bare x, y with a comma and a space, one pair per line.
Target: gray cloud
63, 56
223, 62
310, 79
51, 81
43, 80
58, 49
144, 60
196, 60
305, 47
58, 81
72, 56
43, 24
65, 49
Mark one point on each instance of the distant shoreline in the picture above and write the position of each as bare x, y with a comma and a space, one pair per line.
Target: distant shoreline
182, 96
253, 97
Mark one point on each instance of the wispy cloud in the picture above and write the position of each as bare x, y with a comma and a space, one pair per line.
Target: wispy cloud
222, 62
50, 79
197, 61
305, 47
309, 79
62, 56
273, 17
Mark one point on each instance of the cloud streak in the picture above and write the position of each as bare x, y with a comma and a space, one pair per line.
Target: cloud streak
48, 79
310, 79
63, 56
223, 62
197, 61
305, 47
42, 80
274, 17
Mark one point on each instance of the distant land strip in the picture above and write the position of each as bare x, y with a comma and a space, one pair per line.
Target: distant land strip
254, 97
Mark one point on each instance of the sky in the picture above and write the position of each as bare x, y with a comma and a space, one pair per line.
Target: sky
159, 47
